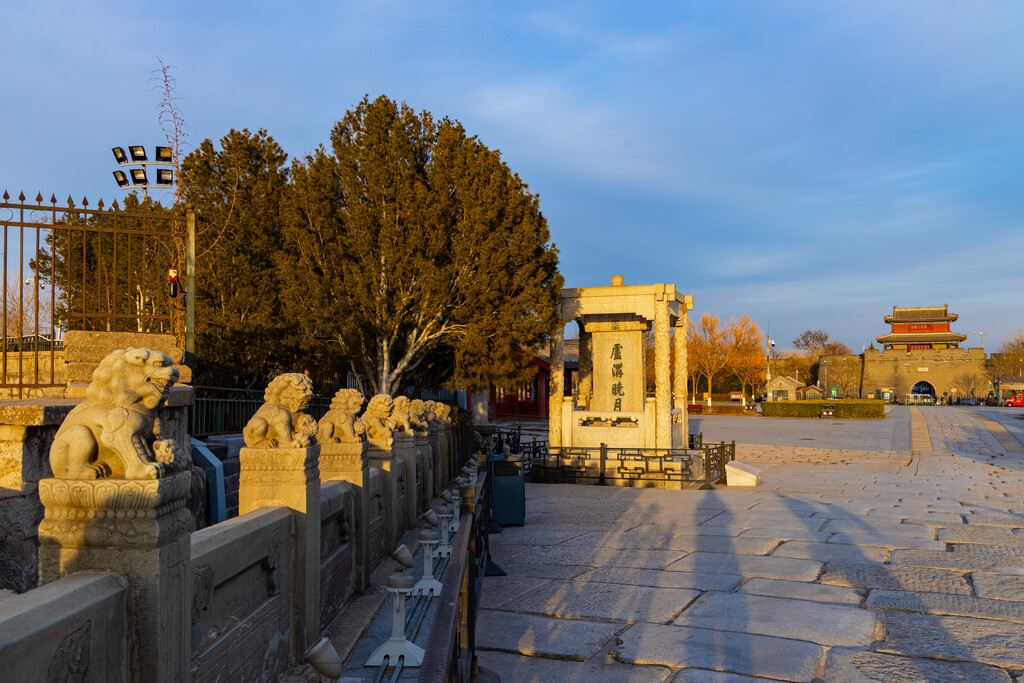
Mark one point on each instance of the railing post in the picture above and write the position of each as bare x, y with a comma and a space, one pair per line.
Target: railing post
190, 290
604, 459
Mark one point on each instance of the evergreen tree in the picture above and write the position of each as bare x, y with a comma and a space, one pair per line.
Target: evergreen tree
413, 253
238, 191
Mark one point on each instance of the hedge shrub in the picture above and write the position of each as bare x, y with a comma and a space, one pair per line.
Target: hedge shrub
846, 409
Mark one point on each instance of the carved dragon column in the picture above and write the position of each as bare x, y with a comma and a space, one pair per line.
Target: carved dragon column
662, 374
279, 466
682, 372
119, 503
556, 388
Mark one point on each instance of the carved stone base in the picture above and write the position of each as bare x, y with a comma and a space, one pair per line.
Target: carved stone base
138, 528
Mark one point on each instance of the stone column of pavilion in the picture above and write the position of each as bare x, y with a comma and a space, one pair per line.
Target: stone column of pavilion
556, 387
681, 373
280, 466
662, 372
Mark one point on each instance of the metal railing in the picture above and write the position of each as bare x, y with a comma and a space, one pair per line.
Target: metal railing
451, 647
701, 463
220, 410
76, 268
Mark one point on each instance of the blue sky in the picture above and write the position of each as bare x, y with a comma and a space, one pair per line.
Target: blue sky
809, 163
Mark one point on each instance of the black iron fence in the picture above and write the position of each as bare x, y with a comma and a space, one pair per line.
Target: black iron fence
701, 463
219, 410
78, 268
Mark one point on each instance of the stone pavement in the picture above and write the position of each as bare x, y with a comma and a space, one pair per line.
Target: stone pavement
876, 550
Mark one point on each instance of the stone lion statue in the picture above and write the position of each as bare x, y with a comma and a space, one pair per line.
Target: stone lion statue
418, 415
115, 432
444, 412
430, 413
340, 424
378, 417
282, 421
400, 414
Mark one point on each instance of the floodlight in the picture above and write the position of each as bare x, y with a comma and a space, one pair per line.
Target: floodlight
121, 178
138, 152
163, 154
164, 176
120, 155
139, 176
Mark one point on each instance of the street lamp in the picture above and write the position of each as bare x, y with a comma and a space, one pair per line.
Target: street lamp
135, 162
982, 333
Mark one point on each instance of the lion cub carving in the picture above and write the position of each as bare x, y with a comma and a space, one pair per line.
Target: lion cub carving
115, 432
282, 421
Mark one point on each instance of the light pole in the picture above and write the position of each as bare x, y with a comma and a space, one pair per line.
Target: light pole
982, 333
136, 161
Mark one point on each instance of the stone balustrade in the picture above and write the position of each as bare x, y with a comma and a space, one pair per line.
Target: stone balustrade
240, 600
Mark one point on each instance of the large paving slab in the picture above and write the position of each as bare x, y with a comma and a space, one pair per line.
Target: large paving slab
705, 676
1000, 643
848, 665
721, 544
999, 586
822, 623
802, 590
742, 653
702, 581
895, 578
602, 556
581, 599
545, 636
520, 669
831, 552
886, 541
499, 590
952, 605
749, 565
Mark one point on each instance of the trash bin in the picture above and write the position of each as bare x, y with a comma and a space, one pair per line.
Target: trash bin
508, 492
827, 410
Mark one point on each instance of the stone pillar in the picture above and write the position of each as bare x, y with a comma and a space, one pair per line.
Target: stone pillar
348, 462
556, 387
138, 528
447, 452
290, 477
440, 465
585, 385
421, 440
662, 374
682, 370
409, 500
392, 468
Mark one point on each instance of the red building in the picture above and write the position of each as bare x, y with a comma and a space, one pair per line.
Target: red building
924, 327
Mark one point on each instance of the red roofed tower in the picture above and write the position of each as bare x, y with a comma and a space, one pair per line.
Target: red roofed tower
924, 327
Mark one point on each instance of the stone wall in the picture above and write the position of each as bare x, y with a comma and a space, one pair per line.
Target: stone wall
241, 605
337, 551
898, 371
26, 432
73, 629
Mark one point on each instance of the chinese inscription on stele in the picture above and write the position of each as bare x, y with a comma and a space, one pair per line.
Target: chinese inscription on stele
617, 390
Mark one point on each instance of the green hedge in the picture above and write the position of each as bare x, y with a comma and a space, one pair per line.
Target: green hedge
845, 408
